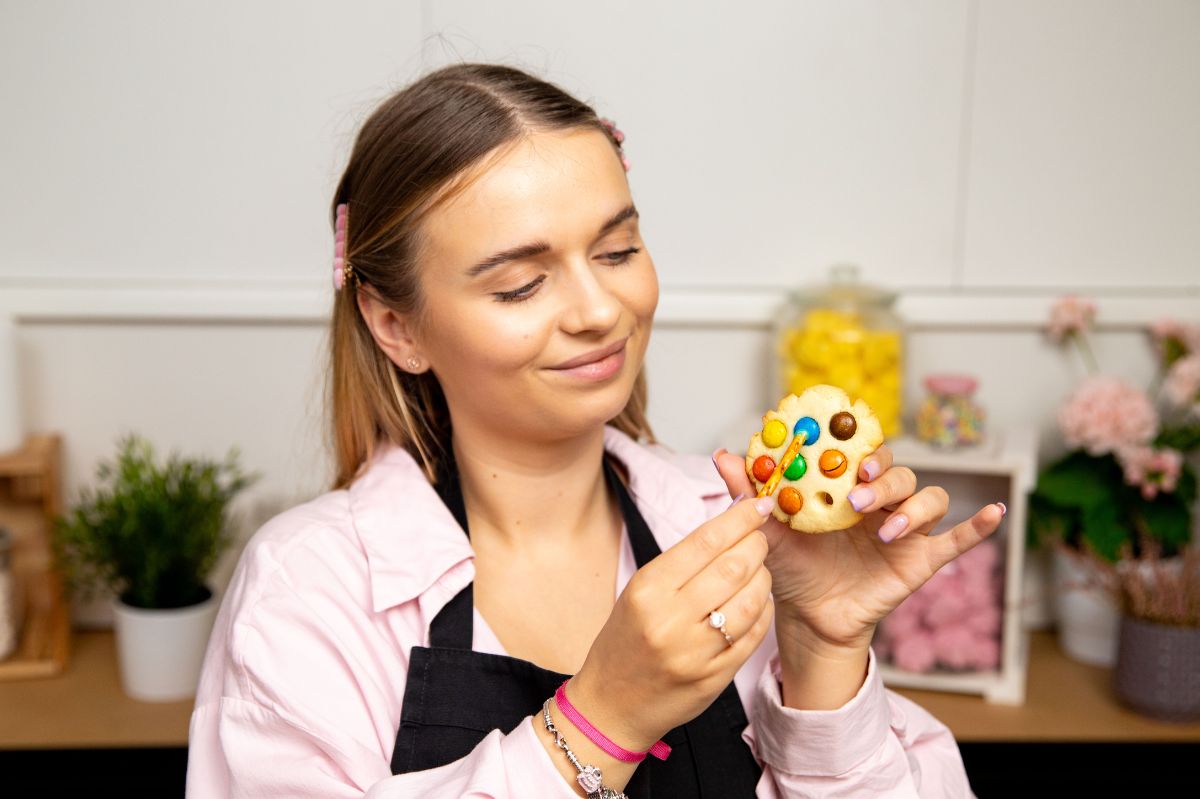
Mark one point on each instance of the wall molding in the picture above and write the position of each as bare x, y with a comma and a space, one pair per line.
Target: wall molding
303, 302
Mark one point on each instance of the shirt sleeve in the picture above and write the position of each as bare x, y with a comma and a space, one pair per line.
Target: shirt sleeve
241, 749
877, 744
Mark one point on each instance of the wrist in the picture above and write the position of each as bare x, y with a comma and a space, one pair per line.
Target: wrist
817, 673
596, 706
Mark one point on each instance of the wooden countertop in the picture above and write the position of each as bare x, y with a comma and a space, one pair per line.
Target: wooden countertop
85, 707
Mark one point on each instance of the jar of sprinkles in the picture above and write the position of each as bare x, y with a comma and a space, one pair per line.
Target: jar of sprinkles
949, 417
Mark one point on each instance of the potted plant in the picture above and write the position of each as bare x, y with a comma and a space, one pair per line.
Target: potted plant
1158, 650
1125, 471
152, 534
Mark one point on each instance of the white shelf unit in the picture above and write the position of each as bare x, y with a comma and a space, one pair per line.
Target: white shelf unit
1005, 463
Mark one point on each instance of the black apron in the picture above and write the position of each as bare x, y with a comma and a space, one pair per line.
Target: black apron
454, 696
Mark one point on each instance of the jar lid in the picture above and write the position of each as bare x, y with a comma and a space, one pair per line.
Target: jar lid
844, 289
947, 383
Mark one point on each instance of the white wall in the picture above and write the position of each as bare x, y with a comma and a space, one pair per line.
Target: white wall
164, 233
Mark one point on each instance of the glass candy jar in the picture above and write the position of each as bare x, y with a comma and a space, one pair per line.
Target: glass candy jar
949, 417
845, 334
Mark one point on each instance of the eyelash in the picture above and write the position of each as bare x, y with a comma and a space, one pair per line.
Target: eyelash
526, 291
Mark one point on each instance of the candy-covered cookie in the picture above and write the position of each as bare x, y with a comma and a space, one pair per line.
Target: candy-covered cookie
807, 456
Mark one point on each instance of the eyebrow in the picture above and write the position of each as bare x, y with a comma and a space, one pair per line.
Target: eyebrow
538, 247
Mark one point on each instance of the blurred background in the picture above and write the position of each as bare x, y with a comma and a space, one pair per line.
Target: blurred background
168, 170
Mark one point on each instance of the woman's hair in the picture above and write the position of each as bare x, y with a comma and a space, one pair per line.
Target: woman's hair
413, 154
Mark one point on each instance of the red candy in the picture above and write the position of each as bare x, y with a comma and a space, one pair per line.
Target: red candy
763, 467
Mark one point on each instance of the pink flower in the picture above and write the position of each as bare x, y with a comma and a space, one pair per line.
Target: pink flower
1070, 315
1174, 339
1105, 414
1181, 386
954, 646
1153, 470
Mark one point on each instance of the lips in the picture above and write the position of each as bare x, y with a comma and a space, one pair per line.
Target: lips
593, 356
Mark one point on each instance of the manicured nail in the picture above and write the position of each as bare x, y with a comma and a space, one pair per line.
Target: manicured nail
736, 500
1003, 508
714, 457
872, 470
893, 527
861, 496
764, 505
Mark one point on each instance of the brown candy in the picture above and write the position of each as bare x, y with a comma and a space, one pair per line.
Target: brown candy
763, 466
790, 501
833, 463
843, 425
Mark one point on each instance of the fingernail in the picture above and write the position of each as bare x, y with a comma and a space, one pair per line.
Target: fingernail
1003, 508
717, 452
764, 505
860, 497
872, 470
893, 527
736, 500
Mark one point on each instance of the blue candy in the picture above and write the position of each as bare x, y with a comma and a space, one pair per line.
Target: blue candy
810, 428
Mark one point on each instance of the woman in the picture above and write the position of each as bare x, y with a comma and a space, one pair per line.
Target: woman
501, 531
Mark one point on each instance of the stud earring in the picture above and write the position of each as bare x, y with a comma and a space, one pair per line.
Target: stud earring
413, 364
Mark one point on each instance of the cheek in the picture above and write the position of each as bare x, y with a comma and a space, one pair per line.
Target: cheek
484, 339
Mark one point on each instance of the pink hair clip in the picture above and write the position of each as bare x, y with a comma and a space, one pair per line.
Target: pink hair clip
619, 136
341, 268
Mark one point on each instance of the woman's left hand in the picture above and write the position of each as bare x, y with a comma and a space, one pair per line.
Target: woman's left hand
832, 589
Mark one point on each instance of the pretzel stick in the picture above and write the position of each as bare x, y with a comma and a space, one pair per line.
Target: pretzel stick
789, 455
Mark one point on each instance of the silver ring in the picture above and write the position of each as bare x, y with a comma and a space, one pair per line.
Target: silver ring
716, 620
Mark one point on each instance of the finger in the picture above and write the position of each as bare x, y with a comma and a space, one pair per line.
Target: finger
890, 488
732, 469
722, 579
947, 546
875, 464
741, 610
745, 644
920, 512
710, 540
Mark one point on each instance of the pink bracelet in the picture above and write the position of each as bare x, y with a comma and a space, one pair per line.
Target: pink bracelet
659, 750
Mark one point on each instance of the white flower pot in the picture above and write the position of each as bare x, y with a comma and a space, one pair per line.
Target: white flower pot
1037, 589
160, 652
1088, 616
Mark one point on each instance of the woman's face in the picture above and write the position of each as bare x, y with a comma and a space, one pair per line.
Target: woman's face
538, 290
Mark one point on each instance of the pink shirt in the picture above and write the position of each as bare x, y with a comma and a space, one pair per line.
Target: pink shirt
304, 676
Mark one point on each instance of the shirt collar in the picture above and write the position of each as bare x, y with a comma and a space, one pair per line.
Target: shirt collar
413, 542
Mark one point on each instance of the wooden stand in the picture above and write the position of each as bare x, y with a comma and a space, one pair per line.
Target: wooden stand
30, 500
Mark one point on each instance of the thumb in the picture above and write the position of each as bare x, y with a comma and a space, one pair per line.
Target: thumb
732, 469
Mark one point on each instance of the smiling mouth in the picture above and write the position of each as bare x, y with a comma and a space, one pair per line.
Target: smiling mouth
593, 357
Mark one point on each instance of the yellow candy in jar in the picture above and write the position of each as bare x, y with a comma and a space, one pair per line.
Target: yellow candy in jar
845, 334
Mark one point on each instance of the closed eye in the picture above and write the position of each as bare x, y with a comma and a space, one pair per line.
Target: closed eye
528, 290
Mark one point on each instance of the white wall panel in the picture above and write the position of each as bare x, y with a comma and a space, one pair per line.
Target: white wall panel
767, 139
1085, 149
152, 140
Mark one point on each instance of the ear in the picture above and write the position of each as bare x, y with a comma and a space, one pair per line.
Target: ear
392, 331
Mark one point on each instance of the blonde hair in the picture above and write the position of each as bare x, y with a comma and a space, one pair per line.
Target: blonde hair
411, 155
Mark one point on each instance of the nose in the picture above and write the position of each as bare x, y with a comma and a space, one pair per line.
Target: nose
590, 305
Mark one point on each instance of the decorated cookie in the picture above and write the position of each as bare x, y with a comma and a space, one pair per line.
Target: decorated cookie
807, 456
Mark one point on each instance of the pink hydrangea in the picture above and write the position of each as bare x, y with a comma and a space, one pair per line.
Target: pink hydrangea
1070, 315
1181, 386
1186, 336
1152, 470
1105, 414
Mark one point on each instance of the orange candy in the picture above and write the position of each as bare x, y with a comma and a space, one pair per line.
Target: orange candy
763, 466
833, 463
790, 501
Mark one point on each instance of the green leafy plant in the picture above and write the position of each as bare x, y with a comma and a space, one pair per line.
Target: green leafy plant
152, 533
1125, 483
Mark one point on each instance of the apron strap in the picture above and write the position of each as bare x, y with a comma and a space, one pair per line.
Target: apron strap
453, 627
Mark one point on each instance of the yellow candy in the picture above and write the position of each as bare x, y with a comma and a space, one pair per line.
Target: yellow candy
774, 432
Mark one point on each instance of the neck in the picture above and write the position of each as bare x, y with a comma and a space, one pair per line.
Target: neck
527, 496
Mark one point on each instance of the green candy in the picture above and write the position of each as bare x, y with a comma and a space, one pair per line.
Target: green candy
796, 468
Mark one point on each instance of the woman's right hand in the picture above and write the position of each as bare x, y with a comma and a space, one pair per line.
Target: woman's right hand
657, 663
